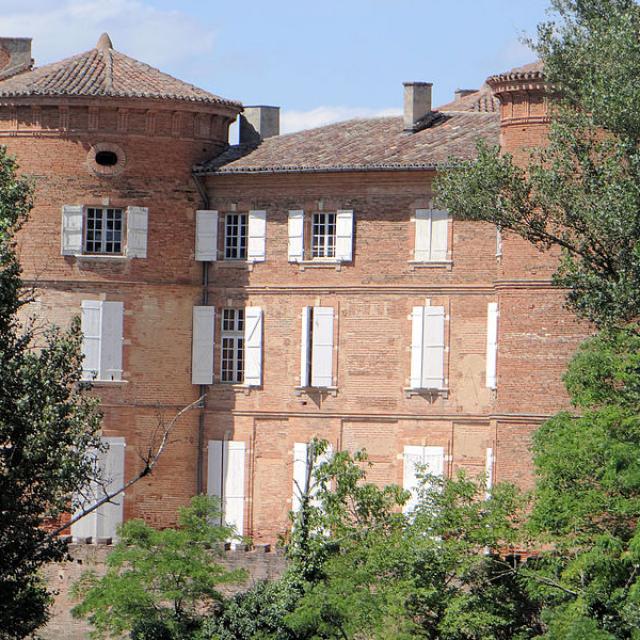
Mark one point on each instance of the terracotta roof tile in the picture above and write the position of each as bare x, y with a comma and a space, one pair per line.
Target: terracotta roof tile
531, 71
103, 71
371, 144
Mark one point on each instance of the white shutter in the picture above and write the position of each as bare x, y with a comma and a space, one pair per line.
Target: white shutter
109, 515
103, 521
431, 459
214, 469
234, 462
322, 347
137, 218
492, 344
489, 472
257, 234
439, 235
305, 344
422, 249
296, 236
412, 458
433, 348
299, 474
344, 235
417, 349
72, 230
111, 333
253, 346
90, 324
202, 346
498, 241
206, 235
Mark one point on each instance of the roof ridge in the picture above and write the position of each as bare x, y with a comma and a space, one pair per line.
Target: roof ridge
108, 69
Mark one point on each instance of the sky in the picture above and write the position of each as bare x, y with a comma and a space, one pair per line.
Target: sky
320, 61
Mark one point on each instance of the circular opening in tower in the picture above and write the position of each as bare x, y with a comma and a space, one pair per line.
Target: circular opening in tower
107, 158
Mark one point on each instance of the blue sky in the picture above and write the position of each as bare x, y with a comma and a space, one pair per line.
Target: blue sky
319, 61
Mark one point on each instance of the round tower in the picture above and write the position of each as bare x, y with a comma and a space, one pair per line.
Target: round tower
110, 143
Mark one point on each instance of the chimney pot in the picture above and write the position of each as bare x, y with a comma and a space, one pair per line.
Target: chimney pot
258, 123
15, 56
417, 103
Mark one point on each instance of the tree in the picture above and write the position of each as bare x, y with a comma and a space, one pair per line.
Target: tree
159, 584
47, 426
581, 193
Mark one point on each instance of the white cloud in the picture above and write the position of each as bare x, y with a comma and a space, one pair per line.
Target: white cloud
291, 121
164, 38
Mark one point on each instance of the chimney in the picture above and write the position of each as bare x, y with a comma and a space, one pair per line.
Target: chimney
463, 93
258, 123
15, 56
417, 103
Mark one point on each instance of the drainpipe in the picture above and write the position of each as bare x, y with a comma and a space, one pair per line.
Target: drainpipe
200, 484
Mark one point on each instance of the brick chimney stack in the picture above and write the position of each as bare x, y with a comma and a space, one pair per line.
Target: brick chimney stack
258, 123
417, 103
15, 56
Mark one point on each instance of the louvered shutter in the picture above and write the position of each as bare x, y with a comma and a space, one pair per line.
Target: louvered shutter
253, 346
439, 235
202, 346
109, 515
137, 221
433, 348
344, 235
214, 472
296, 236
427, 460
492, 344
305, 346
206, 235
422, 249
90, 324
257, 234
111, 341
234, 485
300, 450
417, 349
72, 229
412, 459
322, 347
489, 472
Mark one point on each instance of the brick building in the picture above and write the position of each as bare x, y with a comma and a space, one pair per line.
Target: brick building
304, 283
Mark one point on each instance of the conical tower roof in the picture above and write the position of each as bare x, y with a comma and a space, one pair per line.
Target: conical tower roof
103, 71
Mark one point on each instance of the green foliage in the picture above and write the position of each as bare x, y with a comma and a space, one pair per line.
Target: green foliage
46, 426
159, 584
581, 193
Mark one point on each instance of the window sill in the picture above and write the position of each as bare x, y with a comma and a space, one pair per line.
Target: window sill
236, 388
431, 394
246, 265
104, 383
99, 258
320, 263
329, 391
424, 264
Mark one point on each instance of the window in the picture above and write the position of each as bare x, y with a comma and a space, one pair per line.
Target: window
232, 368
325, 236
100, 231
427, 348
316, 349
235, 236
102, 523
103, 231
432, 236
323, 239
102, 329
225, 479
417, 462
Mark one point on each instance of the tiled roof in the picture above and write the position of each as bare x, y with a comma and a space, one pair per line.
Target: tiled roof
103, 71
482, 100
531, 71
369, 145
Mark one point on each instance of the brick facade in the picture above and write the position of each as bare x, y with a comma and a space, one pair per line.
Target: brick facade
55, 139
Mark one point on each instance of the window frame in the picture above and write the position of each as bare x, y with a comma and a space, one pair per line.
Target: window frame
104, 211
327, 248
235, 338
240, 239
